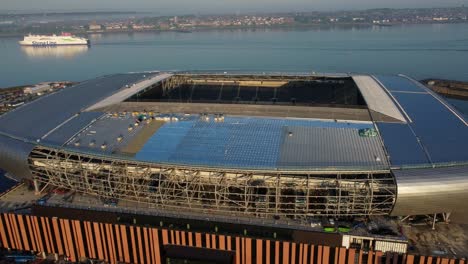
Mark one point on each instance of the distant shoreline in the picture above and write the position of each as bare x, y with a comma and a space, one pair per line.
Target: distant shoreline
202, 29
71, 13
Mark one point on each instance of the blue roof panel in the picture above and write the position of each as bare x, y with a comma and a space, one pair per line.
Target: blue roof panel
441, 131
401, 144
396, 83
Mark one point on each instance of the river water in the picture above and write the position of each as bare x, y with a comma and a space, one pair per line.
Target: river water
419, 51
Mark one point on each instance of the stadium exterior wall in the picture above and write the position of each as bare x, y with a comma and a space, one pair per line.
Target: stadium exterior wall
431, 190
418, 191
117, 243
222, 190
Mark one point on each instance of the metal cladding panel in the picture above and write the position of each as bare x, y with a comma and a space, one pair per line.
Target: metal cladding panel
14, 157
69, 129
5, 183
35, 119
440, 130
431, 190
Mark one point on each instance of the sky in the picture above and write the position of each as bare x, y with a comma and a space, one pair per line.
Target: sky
210, 6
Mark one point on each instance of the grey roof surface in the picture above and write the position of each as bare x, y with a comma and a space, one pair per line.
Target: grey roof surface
70, 128
438, 130
106, 130
310, 147
36, 119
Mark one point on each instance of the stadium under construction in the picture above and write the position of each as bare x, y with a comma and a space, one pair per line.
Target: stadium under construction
262, 148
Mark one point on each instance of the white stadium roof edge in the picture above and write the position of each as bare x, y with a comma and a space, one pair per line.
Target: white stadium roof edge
376, 97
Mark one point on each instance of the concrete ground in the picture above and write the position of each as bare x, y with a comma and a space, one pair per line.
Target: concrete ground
17, 198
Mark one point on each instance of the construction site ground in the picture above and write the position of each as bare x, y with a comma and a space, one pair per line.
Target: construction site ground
446, 240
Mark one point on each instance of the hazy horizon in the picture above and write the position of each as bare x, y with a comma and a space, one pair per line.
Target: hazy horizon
216, 6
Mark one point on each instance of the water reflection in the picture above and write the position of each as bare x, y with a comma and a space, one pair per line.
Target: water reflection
67, 52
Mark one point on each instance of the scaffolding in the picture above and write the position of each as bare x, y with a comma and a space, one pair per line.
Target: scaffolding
261, 194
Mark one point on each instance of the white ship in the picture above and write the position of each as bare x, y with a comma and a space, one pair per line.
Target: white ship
53, 40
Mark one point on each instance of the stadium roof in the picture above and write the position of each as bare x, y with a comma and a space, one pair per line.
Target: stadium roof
423, 130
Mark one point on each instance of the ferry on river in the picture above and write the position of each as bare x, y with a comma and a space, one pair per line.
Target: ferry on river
53, 40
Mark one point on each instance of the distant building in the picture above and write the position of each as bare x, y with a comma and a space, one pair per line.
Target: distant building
164, 25
384, 21
95, 27
142, 26
38, 89
113, 26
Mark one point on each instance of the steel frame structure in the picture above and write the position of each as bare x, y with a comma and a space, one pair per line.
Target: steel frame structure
263, 194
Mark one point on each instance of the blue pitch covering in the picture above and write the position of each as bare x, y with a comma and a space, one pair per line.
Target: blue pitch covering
254, 143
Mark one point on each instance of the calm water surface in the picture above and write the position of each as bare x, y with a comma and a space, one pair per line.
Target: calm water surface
420, 51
